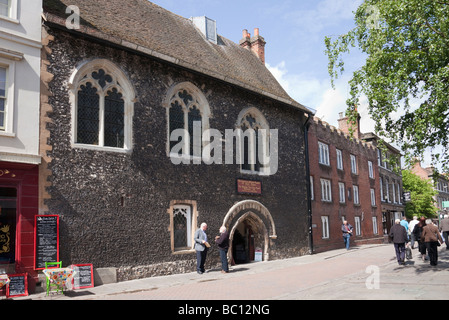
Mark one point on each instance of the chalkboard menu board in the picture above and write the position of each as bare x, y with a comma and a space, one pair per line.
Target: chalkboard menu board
46, 241
83, 277
18, 285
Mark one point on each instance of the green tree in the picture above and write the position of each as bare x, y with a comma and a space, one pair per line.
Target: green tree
422, 192
406, 74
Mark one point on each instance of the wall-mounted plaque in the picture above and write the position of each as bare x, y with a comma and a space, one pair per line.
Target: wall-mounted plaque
249, 187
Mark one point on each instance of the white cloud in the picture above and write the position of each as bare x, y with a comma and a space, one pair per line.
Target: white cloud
312, 92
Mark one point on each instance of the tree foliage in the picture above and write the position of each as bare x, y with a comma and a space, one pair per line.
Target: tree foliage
406, 74
422, 192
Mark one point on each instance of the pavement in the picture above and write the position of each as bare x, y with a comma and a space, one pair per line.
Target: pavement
368, 272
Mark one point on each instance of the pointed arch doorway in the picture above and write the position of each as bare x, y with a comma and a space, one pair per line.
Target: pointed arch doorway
251, 230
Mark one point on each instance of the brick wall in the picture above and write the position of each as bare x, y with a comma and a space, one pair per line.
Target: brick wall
336, 139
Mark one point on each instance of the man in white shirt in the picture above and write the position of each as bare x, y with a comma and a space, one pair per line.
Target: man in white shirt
411, 226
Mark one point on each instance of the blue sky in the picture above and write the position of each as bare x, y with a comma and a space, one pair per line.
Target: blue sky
294, 32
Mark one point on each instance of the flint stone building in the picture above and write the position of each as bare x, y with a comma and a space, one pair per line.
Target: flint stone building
115, 89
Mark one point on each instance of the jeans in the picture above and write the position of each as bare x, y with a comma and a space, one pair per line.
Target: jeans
346, 239
445, 238
412, 240
224, 260
400, 252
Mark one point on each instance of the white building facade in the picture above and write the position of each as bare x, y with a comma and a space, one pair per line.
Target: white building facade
20, 65
20, 45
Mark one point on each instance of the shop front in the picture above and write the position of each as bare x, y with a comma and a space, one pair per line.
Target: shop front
18, 206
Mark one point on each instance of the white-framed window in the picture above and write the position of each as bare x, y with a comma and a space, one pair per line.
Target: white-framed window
370, 169
373, 197
341, 192
325, 227
7, 84
375, 227
381, 182
103, 107
326, 190
182, 224
5, 7
323, 153
8, 10
353, 164
339, 159
387, 191
358, 226
183, 221
355, 190
312, 193
393, 186
3, 101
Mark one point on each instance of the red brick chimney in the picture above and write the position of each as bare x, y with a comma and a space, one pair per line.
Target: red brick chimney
345, 125
256, 44
246, 40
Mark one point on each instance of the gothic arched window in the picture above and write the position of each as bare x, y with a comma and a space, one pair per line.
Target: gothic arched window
103, 102
251, 121
188, 110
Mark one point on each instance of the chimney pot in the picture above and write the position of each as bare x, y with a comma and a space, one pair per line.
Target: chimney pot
245, 42
256, 32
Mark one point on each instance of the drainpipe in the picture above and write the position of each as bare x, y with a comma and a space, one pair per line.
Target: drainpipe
309, 200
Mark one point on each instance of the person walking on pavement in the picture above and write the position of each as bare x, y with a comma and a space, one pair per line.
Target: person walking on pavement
404, 223
399, 236
223, 245
201, 247
411, 227
430, 235
444, 227
347, 229
417, 232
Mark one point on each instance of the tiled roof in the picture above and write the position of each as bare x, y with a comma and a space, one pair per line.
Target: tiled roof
143, 26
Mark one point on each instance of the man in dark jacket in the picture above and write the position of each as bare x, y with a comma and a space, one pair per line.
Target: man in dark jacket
223, 245
399, 236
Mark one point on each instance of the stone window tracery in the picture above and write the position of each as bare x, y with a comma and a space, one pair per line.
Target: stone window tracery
251, 120
186, 108
103, 107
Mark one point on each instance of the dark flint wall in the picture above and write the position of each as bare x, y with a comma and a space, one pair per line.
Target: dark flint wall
87, 186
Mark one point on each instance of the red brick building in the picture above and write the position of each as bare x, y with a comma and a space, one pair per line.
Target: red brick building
344, 186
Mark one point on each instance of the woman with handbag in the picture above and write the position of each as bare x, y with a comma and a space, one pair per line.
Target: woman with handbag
430, 235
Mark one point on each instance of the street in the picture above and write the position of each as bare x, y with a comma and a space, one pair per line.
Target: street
362, 273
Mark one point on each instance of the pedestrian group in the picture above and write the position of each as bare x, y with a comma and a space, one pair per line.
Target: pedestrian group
404, 235
202, 246
424, 232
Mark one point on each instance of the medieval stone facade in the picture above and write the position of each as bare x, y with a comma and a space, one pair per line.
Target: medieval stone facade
123, 201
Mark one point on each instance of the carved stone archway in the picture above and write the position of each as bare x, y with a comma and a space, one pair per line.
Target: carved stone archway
256, 216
